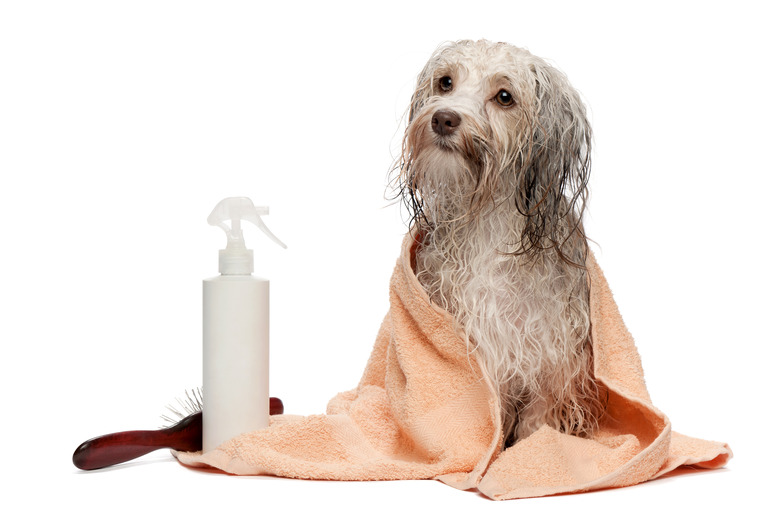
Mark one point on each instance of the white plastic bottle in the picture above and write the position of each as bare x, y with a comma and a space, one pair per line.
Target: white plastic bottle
235, 332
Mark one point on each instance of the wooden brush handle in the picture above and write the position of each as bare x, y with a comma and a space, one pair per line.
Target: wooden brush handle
110, 449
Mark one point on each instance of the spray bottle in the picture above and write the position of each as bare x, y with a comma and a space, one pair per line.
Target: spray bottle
235, 332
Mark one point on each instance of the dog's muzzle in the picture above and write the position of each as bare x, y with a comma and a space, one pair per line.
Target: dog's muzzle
445, 122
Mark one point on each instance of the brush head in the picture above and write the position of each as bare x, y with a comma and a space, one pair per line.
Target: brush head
183, 407
192, 403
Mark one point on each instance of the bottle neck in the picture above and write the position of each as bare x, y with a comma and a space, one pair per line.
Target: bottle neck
236, 262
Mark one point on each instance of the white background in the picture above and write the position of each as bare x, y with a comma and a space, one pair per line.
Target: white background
123, 123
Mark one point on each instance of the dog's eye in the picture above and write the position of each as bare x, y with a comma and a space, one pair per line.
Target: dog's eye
504, 98
445, 84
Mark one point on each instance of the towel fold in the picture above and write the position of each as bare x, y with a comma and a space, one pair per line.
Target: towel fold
422, 410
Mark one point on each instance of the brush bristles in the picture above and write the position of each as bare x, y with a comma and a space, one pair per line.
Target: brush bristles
183, 407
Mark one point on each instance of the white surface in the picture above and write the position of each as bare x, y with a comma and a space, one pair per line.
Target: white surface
107, 107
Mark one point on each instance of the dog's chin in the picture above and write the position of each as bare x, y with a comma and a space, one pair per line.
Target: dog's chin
442, 157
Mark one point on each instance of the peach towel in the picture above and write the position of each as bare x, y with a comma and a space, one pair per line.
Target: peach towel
422, 410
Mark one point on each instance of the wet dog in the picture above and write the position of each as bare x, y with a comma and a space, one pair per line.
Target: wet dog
494, 170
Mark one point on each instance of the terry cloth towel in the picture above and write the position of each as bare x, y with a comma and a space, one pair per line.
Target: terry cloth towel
422, 410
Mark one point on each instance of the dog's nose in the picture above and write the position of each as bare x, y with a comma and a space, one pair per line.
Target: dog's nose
444, 122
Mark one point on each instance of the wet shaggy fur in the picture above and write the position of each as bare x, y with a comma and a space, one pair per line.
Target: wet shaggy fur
494, 170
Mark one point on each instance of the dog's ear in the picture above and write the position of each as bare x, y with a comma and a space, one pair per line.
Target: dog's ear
555, 165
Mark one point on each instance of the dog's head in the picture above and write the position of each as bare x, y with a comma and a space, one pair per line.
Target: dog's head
491, 124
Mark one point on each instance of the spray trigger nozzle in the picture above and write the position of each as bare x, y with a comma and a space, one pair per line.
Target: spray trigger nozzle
235, 258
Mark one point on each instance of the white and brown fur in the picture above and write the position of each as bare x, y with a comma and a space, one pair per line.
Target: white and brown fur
494, 168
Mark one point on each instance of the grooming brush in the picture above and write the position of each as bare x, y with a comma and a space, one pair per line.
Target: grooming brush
186, 434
